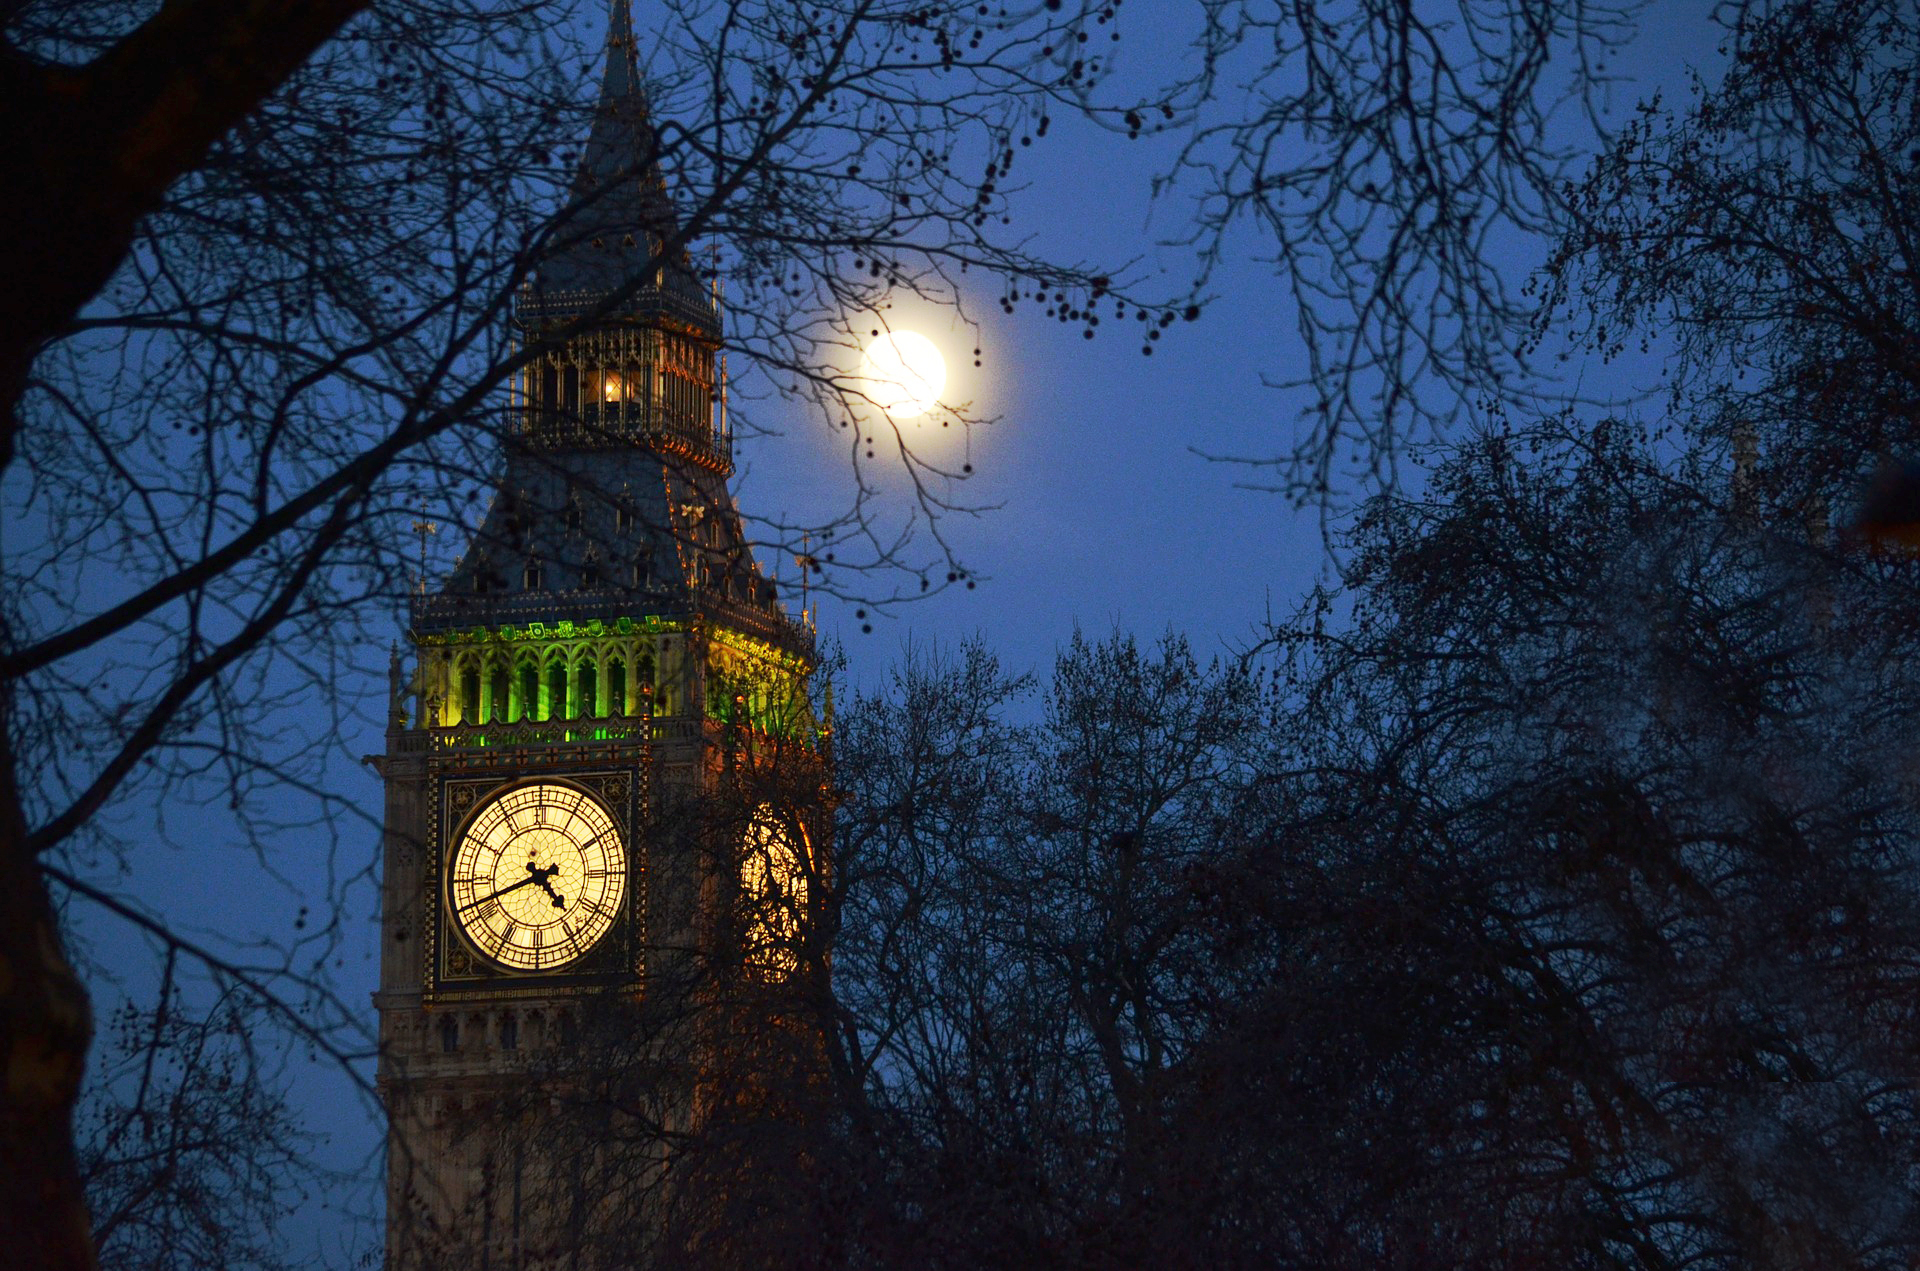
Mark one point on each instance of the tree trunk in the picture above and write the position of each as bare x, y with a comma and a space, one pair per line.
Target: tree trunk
101, 143
45, 1025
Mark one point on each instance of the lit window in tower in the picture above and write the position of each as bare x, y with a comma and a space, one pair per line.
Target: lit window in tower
616, 686
497, 712
611, 386
529, 678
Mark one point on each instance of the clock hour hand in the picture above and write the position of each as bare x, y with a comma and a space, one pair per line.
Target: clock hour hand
544, 878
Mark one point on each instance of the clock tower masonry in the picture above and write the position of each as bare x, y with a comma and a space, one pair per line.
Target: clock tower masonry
595, 664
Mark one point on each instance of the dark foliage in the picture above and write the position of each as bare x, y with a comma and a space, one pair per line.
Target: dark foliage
1561, 909
1767, 228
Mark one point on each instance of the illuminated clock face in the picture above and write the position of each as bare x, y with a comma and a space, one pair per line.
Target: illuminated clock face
538, 876
773, 888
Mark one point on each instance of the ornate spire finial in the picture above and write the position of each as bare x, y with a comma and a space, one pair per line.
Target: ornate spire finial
620, 81
425, 529
396, 691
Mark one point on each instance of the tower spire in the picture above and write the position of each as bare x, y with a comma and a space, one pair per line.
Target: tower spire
622, 143
620, 81
619, 212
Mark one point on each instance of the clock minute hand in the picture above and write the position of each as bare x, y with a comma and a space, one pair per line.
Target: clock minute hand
536, 877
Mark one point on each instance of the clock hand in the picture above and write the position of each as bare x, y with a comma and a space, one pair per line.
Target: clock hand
543, 876
534, 876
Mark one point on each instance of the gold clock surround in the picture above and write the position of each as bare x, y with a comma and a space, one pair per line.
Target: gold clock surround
537, 876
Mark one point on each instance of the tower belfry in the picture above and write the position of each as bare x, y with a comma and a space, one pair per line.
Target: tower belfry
591, 661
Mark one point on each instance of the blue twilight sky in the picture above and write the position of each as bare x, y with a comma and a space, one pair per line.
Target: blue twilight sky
1103, 516
1106, 512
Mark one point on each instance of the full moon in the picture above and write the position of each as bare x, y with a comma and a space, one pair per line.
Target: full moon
904, 373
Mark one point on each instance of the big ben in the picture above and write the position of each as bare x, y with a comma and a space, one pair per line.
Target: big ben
589, 667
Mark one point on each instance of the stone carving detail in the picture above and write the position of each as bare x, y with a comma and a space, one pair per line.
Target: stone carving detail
614, 791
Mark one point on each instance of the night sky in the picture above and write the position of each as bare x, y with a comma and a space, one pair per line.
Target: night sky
1108, 515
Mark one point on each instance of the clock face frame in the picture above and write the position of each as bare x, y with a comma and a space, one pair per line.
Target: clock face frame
537, 876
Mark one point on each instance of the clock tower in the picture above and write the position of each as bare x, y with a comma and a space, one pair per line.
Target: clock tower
603, 659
